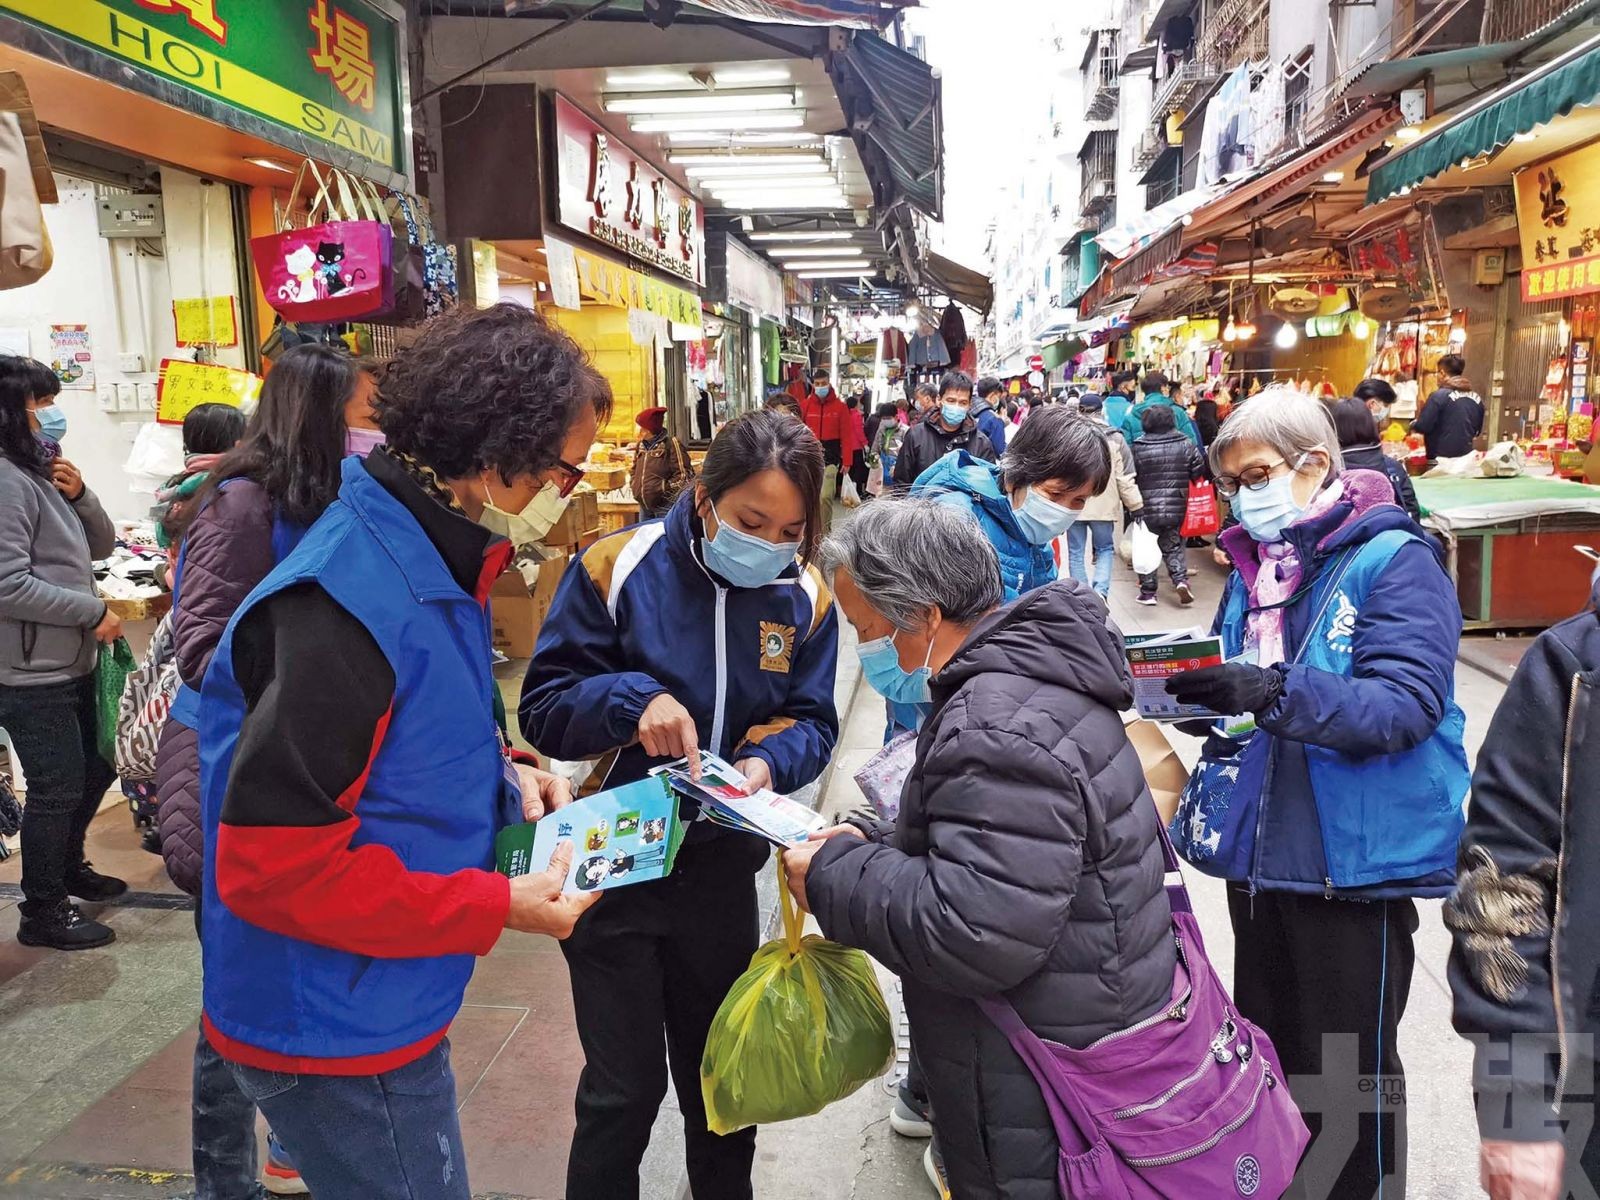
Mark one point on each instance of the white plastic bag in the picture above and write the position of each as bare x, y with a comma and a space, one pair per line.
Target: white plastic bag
849, 496
1146, 550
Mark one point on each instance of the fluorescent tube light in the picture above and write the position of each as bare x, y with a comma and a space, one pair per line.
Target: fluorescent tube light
718, 122
712, 103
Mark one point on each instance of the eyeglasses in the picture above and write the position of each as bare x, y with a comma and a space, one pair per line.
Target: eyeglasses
1254, 478
571, 477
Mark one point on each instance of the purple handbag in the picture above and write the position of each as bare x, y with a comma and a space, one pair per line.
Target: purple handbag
1189, 1102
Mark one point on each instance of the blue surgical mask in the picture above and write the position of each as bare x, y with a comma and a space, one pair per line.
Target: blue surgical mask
52, 422
880, 664
1267, 511
822, 391
743, 559
1042, 519
953, 414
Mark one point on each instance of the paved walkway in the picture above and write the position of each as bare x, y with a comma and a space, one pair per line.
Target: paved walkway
95, 1047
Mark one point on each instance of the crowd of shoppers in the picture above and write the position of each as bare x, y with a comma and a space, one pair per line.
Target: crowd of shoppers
333, 556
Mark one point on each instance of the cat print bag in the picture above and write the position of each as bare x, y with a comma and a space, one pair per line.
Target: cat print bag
338, 266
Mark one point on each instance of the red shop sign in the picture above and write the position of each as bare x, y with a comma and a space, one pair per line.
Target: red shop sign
607, 191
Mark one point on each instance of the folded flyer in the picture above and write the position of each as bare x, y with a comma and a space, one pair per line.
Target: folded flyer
1154, 658
629, 834
726, 797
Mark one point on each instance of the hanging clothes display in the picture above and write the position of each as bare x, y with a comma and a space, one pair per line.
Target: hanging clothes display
954, 331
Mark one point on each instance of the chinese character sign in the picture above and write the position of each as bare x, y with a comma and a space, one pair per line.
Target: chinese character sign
344, 52
186, 385
1558, 220
606, 191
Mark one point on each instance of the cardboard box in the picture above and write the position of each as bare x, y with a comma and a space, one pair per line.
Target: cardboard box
519, 601
1164, 772
605, 478
582, 516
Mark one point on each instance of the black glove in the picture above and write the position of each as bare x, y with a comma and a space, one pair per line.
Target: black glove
1232, 688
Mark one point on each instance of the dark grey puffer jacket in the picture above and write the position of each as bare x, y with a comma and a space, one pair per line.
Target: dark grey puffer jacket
1165, 464
1025, 862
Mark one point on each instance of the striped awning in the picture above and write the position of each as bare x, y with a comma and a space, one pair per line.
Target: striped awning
857, 14
1538, 98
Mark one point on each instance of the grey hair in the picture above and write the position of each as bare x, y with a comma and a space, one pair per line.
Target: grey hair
1288, 421
910, 556
1056, 443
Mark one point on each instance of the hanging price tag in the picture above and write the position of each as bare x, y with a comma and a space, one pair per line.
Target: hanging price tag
187, 385
203, 322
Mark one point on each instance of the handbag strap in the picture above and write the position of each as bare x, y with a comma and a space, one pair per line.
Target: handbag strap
317, 201
1074, 1123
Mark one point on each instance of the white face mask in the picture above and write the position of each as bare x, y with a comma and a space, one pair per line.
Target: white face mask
528, 527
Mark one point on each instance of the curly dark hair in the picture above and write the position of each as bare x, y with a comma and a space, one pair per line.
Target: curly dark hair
496, 387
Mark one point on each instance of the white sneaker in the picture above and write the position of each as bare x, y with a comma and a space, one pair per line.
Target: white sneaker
908, 1122
935, 1170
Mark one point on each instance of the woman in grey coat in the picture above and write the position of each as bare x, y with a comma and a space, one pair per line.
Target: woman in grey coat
51, 529
1025, 862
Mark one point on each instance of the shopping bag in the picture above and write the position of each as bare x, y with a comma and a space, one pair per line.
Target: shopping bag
25, 250
111, 673
849, 495
1164, 772
439, 287
804, 1026
1202, 518
142, 712
1146, 552
334, 269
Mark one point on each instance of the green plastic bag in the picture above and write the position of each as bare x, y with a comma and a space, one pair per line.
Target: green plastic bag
804, 1026
111, 673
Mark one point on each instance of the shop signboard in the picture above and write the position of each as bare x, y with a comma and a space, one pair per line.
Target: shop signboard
607, 191
753, 284
329, 70
1558, 219
206, 322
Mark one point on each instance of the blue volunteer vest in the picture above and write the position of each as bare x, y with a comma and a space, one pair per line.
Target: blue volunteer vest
434, 794
1391, 816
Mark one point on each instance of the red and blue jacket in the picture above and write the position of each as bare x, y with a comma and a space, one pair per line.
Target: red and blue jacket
352, 783
639, 614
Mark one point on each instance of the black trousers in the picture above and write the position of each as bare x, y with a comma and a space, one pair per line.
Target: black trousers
52, 727
1328, 982
650, 965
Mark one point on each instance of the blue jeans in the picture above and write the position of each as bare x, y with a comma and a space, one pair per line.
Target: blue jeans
224, 1130
393, 1136
1104, 536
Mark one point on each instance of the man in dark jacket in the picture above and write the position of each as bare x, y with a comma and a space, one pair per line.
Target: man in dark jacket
1452, 416
991, 394
1026, 861
1165, 463
1524, 913
946, 427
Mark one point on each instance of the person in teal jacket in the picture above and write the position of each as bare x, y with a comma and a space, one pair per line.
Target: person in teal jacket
1056, 462
1155, 386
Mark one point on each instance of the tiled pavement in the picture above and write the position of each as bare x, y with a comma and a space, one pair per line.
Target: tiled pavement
95, 1047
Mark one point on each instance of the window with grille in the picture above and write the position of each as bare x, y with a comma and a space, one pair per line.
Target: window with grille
1296, 95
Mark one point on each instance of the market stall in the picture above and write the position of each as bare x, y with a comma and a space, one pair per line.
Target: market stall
1509, 545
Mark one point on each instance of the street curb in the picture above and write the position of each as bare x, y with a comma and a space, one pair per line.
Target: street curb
1484, 664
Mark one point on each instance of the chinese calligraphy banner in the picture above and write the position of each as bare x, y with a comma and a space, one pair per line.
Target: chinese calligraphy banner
186, 385
614, 284
329, 70
604, 189
1558, 219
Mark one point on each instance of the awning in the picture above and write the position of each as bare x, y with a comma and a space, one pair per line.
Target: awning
1552, 91
1384, 77
906, 120
1058, 353
858, 14
961, 284
1145, 228
1301, 168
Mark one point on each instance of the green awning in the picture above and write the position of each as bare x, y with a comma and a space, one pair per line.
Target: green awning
1057, 354
1518, 107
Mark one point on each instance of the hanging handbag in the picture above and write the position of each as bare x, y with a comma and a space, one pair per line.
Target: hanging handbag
146, 701
334, 269
440, 287
410, 299
1189, 1102
1202, 517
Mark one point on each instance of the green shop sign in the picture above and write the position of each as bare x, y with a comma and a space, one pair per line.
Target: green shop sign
329, 70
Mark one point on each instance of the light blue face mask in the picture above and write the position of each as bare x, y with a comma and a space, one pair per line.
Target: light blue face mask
52, 422
743, 559
880, 665
1042, 519
1266, 512
954, 414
